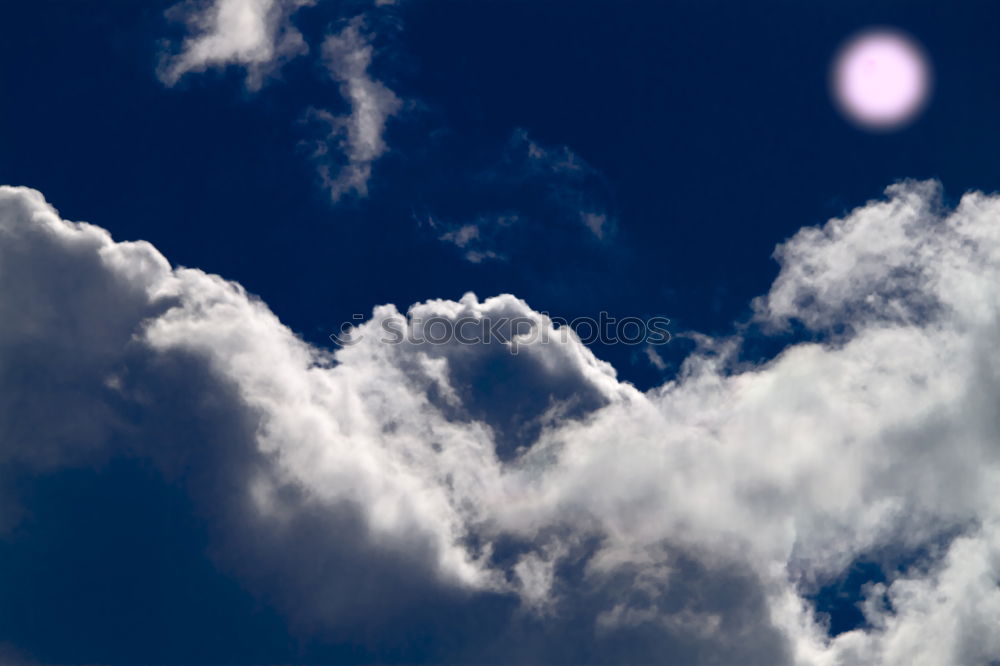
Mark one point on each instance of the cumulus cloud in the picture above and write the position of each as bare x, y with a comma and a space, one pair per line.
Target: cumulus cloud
257, 35
693, 523
359, 135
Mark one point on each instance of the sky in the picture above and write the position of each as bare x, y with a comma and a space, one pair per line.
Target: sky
214, 214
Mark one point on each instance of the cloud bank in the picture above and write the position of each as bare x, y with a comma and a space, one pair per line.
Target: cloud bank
382, 488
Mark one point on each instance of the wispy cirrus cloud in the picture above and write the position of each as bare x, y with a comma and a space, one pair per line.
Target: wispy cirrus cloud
527, 192
260, 37
354, 140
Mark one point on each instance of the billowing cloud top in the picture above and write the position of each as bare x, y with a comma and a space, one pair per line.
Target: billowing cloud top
692, 523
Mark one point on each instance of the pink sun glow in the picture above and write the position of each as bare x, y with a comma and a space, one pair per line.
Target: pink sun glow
881, 79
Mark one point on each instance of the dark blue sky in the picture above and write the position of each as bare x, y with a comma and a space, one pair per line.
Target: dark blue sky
707, 126
710, 123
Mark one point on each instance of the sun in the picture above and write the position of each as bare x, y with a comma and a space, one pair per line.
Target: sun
881, 79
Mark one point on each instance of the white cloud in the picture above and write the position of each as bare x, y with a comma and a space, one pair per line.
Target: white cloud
259, 36
462, 236
360, 134
595, 222
476, 239
255, 34
654, 358
691, 520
